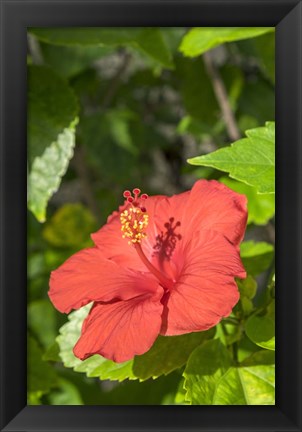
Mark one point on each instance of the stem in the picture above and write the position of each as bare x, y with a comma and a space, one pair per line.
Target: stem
167, 283
235, 352
115, 82
222, 97
35, 50
231, 320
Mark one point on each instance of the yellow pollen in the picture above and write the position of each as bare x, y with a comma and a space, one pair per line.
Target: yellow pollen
134, 223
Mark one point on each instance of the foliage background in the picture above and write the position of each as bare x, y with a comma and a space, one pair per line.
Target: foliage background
118, 108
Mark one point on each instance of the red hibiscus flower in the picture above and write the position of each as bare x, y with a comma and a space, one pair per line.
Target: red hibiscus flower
161, 265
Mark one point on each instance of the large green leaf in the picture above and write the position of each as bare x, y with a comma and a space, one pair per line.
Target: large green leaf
261, 328
212, 379
250, 160
261, 207
256, 256
199, 40
166, 355
47, 170
52, 111
148, 40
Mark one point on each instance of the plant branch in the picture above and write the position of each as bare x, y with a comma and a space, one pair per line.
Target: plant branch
222, 97
114, 85
35, 50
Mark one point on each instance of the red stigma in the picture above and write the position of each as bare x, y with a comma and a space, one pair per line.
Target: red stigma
136, 200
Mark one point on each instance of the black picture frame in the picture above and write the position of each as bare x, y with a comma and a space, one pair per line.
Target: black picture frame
16, 16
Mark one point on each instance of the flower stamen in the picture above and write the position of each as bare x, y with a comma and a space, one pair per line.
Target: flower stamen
134, 222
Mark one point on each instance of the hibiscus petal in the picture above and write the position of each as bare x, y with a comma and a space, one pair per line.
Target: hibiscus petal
119, 331
205, 291
212, 205
87, 276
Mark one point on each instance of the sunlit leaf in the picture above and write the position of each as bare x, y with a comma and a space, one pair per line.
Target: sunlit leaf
205, 367
250, 160
198, 40
256, 256
212, 379
261, 328
47, 171
261, 207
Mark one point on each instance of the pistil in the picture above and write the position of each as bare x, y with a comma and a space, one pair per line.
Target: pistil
134, 221
165, 282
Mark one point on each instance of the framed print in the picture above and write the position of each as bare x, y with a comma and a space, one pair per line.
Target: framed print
138, 185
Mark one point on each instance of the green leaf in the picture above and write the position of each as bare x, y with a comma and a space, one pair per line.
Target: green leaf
250, 160
47, 171
70, 227
252, 383
148, 40
261, 328
194, 81
40, 376
199, 40
256, 256
261, 207
52, 108
52, 111
41, 320
205, 367
69, 61
211, 379
167, 354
